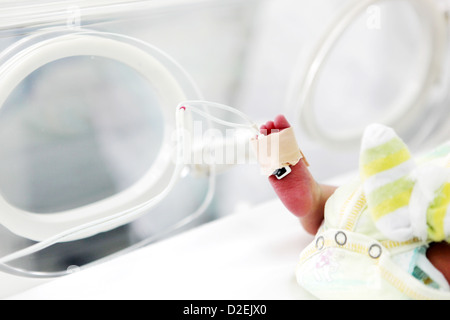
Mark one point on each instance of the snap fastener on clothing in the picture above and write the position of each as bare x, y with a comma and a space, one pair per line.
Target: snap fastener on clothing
320, 243
375, 251
341, 238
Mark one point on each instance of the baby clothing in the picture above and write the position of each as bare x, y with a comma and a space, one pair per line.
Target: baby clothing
406, 200
377, 228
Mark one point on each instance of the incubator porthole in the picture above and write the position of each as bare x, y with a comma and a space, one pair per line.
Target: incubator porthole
358, 87
76, 131
363, 73
164, 78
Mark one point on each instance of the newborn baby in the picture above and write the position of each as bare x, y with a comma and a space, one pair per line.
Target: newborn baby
400, 240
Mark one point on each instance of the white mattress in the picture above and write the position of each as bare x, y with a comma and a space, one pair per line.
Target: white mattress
249, 255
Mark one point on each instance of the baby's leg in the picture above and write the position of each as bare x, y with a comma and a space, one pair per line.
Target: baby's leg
299, 192
439, 256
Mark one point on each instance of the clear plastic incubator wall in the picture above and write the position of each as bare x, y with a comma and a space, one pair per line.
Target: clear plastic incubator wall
89, 92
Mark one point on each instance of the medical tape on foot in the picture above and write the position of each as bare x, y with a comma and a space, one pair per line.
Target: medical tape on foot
277, 150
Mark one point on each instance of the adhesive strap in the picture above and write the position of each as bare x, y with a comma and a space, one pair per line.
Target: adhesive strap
277, 150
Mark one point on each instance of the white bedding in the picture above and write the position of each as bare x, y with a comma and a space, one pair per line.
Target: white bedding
249, 255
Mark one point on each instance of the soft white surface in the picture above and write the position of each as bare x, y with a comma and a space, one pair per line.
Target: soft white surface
249, 255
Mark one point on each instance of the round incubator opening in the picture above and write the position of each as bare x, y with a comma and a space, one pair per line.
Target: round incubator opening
81, 105
77, 131
378, 62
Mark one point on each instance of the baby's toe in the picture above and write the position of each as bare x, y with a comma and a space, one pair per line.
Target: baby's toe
281, 123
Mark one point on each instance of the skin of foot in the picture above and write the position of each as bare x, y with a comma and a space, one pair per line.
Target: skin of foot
299, 191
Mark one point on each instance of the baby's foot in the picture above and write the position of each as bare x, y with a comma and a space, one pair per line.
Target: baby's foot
298, 191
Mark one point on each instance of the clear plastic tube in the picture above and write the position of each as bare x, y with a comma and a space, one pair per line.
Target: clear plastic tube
192, 107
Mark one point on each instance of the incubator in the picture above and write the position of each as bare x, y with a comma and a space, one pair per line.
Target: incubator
99, 99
